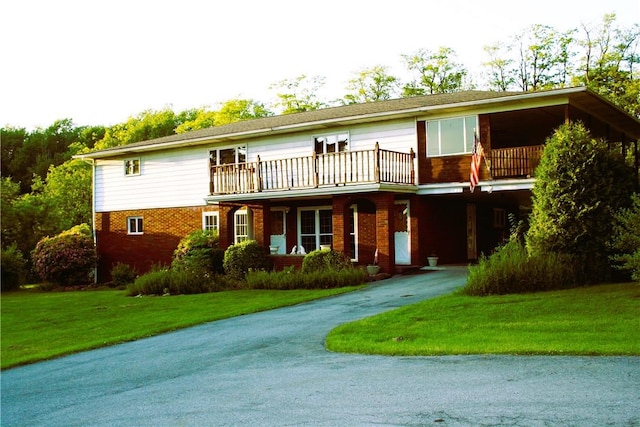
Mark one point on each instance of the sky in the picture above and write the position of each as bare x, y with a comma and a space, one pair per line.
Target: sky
99, 62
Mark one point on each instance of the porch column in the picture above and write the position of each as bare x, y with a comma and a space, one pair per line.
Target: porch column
341, 220
225, 231
261, 223
385, 208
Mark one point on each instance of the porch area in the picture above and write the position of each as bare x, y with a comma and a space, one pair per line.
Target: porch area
316, 171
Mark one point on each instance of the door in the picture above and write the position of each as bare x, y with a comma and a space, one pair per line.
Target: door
472, 245
401, 233
278, 231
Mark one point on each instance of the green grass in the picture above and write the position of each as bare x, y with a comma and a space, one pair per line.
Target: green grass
38, 326
598, 320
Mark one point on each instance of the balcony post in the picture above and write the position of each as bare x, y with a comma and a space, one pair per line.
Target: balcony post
376, 170
314, 160
412, 173
259, 175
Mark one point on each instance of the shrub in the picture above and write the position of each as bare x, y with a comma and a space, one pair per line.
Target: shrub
320, 260
245, 256
178, 282
626, 239
199, 251
290, 279
68, 258
580, 185
13, 268
511, 269
123, 275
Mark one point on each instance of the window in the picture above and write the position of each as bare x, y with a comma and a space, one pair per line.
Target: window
331, 143
242, 225
451, 136
210, 221
315, 227
228, 156
132, 167
134, 225
353, 232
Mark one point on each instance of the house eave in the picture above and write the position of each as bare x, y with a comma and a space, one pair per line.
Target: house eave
310, 193
488, 186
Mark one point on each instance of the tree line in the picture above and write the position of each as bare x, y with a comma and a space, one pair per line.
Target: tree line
46, 191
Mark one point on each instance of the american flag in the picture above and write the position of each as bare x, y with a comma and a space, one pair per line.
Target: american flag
476, 160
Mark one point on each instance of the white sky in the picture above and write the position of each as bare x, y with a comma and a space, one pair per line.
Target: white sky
100, 62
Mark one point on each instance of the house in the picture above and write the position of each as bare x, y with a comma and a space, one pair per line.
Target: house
391, 176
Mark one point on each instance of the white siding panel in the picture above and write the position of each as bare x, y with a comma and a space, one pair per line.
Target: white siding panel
398, 136
167, 179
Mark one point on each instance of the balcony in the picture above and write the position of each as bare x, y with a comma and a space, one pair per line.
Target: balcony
315, 171
514, 162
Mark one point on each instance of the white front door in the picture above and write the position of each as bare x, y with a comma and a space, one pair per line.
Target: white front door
402, 233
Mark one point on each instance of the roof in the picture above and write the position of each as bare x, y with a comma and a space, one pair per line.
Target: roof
375, 111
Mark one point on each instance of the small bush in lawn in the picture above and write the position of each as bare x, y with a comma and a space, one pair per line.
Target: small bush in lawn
66, 259
199, 251
245, 256
511, 269
320, 260
123, 275
165, 281
288, 279
14, 270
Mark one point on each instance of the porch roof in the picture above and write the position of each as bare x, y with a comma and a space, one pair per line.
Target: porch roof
384, 110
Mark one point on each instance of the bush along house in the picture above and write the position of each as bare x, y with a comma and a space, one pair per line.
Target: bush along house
397, 178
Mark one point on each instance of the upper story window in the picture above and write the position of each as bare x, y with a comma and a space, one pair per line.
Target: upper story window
131, 167
331, 143
228, 156
210, 221
134, 225
451, 136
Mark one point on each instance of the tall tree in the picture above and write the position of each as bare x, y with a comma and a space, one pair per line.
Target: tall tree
436, 72
372, 84
499, 74
298, 94
543, 58
609, 62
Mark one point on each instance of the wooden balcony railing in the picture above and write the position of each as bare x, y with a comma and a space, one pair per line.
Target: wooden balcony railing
317, 170
515, 161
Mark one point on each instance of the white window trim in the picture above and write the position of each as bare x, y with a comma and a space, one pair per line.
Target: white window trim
216, 220
126, 166
139, 229
249, 218
354, 235
325, 135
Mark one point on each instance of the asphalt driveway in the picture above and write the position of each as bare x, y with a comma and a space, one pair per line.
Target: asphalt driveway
271, 368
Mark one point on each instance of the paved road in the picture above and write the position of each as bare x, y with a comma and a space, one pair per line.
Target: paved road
271, 368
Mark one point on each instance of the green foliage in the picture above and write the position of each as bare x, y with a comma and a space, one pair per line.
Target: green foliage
123, 275
626, 239
580, 185
435, 72
510, 269
370, 85
66, 259
13, 268
289, 279
178, 282
319, 260
198, 251
245, 256
299, 94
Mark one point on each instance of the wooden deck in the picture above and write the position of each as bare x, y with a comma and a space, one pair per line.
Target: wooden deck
315, 171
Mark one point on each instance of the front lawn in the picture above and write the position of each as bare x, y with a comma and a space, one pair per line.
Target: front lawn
38, 326
597, 320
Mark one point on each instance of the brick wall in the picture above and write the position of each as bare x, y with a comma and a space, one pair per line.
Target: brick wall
163, 229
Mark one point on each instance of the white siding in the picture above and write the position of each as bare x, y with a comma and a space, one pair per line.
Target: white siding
179, 178
167, 179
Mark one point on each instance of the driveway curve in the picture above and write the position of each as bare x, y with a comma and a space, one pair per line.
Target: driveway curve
271, 368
